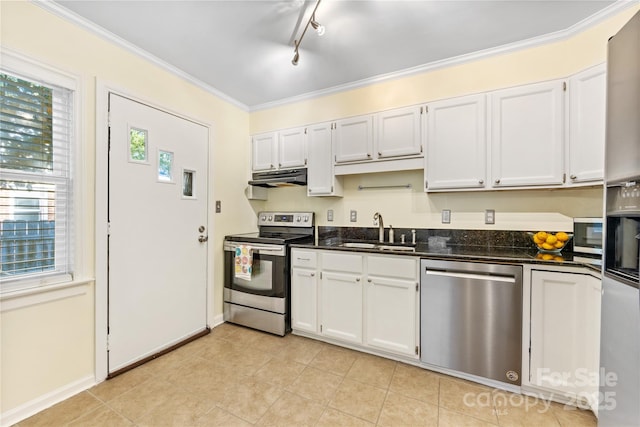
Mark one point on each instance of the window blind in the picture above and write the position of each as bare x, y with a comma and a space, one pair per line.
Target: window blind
36, 131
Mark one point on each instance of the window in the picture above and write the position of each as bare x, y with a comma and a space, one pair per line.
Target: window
36, 132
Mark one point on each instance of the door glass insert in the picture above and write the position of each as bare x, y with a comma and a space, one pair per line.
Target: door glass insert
165, 166
188, 177
138, 145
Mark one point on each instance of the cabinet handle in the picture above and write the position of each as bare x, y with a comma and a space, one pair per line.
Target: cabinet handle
379, 154
279, 165
304, 259
271, 165
481, 181
497, 181
357, 279
305, 162
573, 176
369, 280
313, 274
369, 155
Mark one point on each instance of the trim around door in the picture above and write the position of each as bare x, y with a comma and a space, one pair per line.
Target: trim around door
103, 89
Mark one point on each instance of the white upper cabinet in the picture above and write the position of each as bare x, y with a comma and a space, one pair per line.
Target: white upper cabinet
292, 148
527, 135
587, 117
354, 139
456, 154
321, 180
263, 151
279, 150
399, 132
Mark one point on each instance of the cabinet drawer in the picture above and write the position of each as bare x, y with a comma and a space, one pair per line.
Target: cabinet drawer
340, 261
399, 267
304, 258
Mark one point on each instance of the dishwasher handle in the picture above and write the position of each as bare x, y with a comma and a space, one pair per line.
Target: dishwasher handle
508, 279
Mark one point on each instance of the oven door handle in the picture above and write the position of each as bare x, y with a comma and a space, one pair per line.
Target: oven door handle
261, 248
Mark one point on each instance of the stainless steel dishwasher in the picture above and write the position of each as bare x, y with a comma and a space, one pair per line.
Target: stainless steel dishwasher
471, 318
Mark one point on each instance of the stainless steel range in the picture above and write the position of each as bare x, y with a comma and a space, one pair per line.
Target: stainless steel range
257, 271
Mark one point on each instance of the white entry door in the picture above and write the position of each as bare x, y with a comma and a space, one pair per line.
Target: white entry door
157, 271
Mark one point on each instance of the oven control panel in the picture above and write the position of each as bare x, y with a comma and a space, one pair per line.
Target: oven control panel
290, 219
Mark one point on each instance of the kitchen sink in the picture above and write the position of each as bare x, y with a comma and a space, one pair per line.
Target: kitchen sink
381, 246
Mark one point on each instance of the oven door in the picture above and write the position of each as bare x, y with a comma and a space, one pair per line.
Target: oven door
270, 270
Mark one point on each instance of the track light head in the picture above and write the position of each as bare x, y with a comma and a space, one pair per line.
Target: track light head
296, 57
317, 26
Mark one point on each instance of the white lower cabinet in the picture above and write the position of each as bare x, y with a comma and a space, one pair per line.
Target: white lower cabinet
360, 299
565, 334
341, 306
304, 299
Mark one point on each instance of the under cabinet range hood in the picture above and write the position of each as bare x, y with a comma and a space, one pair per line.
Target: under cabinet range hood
280, 178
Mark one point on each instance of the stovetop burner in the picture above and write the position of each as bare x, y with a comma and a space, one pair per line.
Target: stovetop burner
279, 228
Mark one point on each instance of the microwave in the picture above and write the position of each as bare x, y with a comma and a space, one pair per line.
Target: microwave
587, 235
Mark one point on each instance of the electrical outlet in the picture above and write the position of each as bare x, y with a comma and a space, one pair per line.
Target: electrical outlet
446, 216
489, 216
329, 214
218, 206
353, 216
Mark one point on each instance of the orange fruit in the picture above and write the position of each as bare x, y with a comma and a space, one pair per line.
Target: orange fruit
562, 236
536, 240
558, 244
551, 239
541, 235
547, 246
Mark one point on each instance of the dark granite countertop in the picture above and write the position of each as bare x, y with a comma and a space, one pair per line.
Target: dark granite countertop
329, 238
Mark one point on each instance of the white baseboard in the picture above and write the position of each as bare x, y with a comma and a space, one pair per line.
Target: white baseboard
45, 401
218, 320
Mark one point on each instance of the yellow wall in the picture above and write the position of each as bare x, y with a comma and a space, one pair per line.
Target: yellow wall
65, 328
412, 208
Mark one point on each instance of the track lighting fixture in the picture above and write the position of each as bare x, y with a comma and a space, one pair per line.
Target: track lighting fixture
315, 25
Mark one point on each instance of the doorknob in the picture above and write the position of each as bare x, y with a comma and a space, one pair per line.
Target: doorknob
203, 239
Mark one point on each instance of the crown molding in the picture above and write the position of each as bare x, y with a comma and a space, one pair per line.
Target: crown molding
76, 19
590, 21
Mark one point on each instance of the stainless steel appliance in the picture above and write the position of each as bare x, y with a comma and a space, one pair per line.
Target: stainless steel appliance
279, 178
260, 299
587, 236
471, 318
620, 322
587, 240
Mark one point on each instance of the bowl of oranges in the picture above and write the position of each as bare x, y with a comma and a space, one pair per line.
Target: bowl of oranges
550, 242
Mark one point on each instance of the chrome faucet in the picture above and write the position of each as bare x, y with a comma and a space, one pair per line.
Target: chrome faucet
378, 217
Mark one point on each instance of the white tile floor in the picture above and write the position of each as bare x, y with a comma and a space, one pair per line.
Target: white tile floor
240, 377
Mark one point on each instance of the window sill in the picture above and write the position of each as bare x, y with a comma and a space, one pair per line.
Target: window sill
43, 294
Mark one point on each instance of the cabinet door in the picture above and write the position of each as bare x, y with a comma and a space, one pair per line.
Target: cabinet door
565, 333
320, 177
292, 150
527, 135
399, 132
341, 306
456, 154
392, 312
354, 139
587, 117
264, 151
304, 299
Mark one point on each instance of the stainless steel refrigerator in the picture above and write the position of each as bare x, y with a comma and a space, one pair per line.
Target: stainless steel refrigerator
620, 325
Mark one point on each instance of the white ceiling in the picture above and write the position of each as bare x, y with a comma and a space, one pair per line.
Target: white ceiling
243, 49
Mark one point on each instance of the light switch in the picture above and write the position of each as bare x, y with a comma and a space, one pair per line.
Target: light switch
329, 214
354, 216
218, 206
